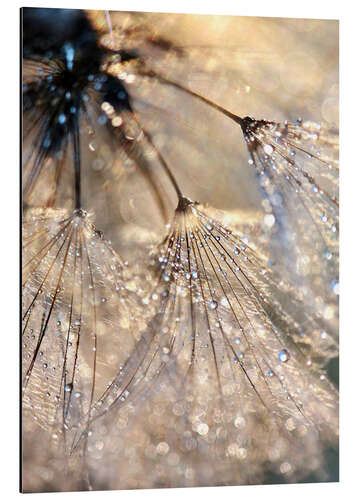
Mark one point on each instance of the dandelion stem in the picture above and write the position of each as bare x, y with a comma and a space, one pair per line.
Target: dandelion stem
165, 165
77, 164
210, 103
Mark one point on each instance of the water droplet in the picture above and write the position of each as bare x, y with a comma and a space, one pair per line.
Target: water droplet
202, 429
269, 220
98, 234
68, 387
102, 120
239, 422
268, 149
283, 356
162, 448
213, 304
117, 121
285, 468
335, 287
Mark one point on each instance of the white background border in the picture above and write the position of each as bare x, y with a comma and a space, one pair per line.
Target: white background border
9, 289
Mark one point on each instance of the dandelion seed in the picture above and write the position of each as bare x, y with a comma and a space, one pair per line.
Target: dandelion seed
300, 184
215, 380
56, 283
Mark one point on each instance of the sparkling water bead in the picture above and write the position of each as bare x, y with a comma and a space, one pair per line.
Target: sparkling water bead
213, 304
283, 355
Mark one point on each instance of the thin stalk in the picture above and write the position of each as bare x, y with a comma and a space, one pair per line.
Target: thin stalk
77, 165
165, 166
192, 93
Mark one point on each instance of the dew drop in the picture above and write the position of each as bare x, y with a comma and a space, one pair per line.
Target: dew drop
269, 220
335, 287
239, 422
62, 119
283, 356
268, 149
203, 429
